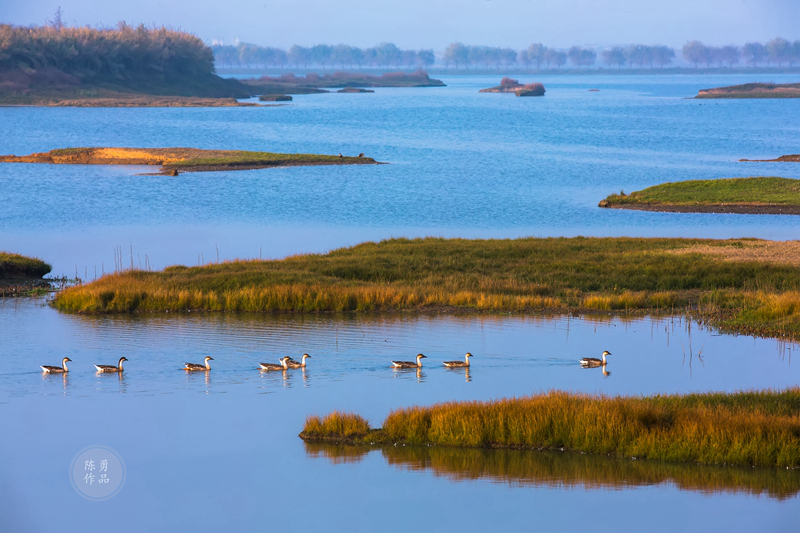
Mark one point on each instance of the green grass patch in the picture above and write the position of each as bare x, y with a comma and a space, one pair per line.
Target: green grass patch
749, 191
754, 428
16, 265
758, 296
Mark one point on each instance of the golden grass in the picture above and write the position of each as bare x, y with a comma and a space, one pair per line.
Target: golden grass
741, 285
346, 425
745, 428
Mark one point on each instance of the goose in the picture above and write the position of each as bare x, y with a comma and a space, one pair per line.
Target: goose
195, 366
273, 366
409, 364
111, 368
57, 369
291, 363
458, 364
592, 362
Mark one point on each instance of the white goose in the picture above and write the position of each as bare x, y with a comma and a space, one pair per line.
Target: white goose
458, 364
291, 363
111, 368
57, 369
591, 362
193, 367
273, 366
409, 364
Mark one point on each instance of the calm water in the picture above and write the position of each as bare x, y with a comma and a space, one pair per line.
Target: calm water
225, 443
462, 164
220, 450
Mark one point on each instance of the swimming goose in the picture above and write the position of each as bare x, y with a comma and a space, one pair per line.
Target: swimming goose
111, 368
592, 362
458, 364
273, 366
291, 363
57, 369
195, 366
409, 364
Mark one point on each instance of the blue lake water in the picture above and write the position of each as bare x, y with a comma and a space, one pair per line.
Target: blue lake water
462, 163
219, 450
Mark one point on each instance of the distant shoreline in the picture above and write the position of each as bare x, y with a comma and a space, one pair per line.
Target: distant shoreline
520, 71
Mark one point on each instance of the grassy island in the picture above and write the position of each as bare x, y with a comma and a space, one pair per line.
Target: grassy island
174, 160
747, 286
756, 428
753, 90
127, 66
791, 158
19, 274
762, 195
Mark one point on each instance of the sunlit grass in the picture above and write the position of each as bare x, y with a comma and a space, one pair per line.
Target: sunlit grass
345, 425
755, 428
13, 265
745, 285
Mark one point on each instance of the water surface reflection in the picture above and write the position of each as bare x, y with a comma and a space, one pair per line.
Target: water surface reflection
558, 470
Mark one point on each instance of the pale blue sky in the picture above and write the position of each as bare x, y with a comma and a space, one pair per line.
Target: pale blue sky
435, 23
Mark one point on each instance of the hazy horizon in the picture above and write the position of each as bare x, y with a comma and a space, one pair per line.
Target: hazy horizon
434, 24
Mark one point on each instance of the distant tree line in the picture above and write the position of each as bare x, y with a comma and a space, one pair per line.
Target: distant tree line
458, 56
124, 52
322, 55
778, 52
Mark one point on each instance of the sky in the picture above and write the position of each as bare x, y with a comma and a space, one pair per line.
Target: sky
436, 23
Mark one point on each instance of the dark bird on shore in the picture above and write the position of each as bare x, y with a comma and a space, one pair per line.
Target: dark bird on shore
194, 366
409, 364
361, 154
57, 369
111, 368
594, 361
340, 155
458, 364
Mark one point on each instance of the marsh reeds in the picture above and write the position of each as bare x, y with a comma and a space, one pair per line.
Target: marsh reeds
741, 285
346, 425
755, 428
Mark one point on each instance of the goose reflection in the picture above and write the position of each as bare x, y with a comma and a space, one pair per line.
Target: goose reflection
285, 377
465, 369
